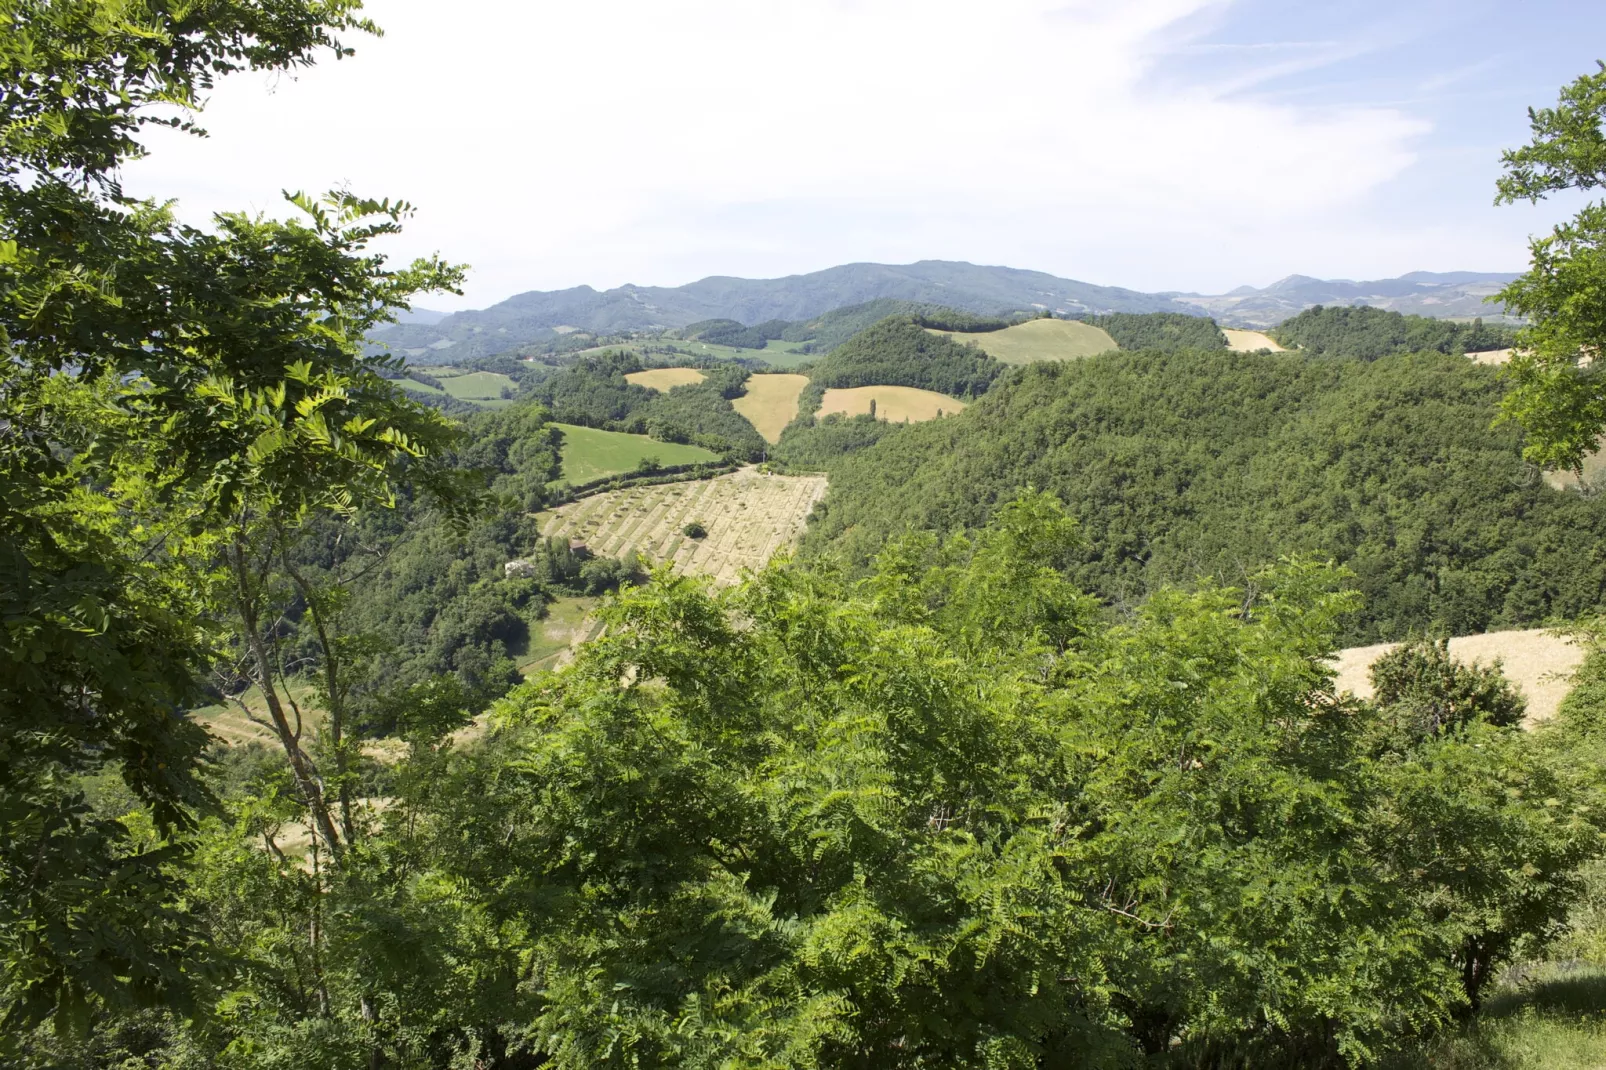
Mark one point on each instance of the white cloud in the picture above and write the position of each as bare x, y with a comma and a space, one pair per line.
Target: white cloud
656, 141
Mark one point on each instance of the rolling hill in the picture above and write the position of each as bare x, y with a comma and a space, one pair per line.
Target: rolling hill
1442, 295
540, 316
543, 316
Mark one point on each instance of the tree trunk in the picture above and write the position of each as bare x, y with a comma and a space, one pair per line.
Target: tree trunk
301, 766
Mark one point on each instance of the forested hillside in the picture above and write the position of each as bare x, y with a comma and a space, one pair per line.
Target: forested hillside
1369, 333
1206, 464
898, 351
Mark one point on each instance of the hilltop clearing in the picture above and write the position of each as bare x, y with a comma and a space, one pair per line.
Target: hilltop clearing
896, 404
1240, 341
588, 453
664, 380
1039, 339
1539, 663
748, 516
771, 402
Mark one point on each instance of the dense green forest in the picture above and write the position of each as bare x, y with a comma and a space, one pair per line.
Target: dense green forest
1169, 331
993, 779
1191, 464
898, 351
1368, 333
1159, 841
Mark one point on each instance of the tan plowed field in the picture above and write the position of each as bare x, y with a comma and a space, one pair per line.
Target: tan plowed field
770, 402
1540, 664
1249, 341
664, 380
893, 403
749, 516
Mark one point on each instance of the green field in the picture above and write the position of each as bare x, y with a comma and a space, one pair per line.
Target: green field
478, 388
567, 620
1035, 340
591, 454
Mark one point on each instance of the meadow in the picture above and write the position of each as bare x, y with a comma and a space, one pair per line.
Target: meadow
771, 402
553, 638
1040, 339
895, 404
588, 453
484, 389
748, 515
664, 380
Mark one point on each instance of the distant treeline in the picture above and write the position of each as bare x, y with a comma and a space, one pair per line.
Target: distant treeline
1168, 331
1366, 333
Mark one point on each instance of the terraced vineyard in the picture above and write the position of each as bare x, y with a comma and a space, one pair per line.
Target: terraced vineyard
749, 515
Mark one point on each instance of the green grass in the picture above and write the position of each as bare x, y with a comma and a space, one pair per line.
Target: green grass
477, 388
552, 634
1554, 1019
591, 454
785, 354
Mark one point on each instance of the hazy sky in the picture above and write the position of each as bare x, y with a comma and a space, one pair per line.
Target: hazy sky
1154, 144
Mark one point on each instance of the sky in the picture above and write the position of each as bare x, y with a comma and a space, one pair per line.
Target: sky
1192, 145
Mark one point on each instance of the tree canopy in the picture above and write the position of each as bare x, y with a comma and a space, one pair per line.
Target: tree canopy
1557, 390
1365, 333
1205, 463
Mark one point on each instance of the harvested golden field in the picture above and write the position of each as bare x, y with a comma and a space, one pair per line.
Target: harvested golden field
770, 402
1540, 664
1491, 356
749, 515
664, 380
1035, 340
1249, 341
893, 403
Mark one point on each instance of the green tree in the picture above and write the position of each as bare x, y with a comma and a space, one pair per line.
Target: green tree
1558, 391
173, 399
